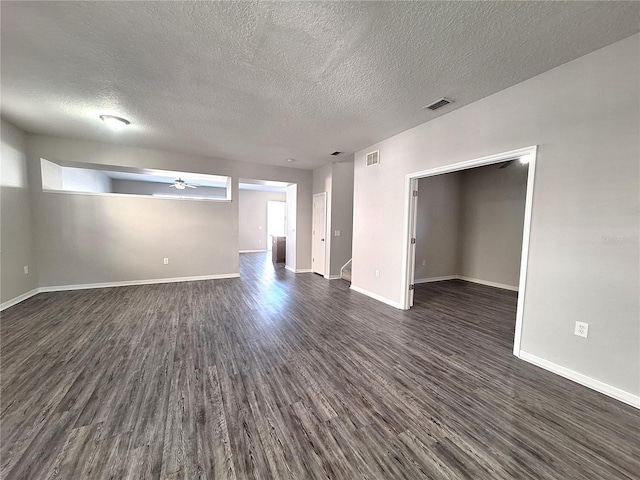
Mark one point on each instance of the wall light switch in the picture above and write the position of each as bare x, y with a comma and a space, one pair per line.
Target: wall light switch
26, 270
166, 261
337, 233
377, 273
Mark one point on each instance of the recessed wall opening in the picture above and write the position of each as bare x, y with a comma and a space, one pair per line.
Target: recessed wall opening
93, 179
265, 207
468, 224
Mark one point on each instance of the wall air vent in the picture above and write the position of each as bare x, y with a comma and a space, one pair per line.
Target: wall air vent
439, 104
373, 158
335, 154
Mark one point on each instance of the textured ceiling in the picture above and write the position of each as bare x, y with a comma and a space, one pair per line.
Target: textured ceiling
263, 82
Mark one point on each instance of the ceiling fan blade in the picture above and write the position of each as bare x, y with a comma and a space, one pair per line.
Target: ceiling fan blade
190, 186
173, 185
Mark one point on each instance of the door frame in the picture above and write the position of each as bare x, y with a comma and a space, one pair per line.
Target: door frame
313, 247
410, 216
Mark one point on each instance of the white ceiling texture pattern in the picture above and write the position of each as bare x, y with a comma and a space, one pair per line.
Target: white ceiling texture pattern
263, 81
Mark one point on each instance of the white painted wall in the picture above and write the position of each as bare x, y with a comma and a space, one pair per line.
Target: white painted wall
51, 175
82, 239
292, 224
253, 217
584, 248
16, 246
85, 180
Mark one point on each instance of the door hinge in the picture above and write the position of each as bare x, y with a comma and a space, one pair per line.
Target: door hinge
411, 287
415, 193
413, 241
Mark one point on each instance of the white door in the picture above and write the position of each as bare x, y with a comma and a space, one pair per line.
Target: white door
319, 233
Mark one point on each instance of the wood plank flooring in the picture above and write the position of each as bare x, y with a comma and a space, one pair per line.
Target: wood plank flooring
285, 376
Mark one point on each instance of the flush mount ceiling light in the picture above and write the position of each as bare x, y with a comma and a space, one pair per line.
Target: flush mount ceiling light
114, 123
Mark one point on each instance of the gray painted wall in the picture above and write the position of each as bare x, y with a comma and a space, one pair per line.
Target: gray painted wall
322, 182
470, 224
16, 247
336, 180
94, 239
341, 215
584, 249
253, 217
438, 227
492, 219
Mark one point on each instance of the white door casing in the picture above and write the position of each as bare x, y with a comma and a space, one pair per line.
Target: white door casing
318, 252
411, 181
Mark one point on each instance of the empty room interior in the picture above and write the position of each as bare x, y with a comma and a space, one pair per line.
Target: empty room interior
337, 240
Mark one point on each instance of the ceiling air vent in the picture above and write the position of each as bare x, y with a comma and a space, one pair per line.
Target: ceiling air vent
335, 154
438, 104
373, 158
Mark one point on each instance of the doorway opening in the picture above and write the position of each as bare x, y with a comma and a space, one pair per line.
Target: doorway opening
267, 210
522, 158
276, 220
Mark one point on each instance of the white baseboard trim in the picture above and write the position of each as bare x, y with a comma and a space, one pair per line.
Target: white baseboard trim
299, 270
488, 283
253, 251
375, 296
436, 279
597, 385
332, 277
19, 298
466, 279
85, 286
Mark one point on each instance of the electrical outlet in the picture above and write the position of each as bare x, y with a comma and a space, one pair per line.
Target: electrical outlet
582, 329
166, 261
424, 262
377, 273
26, 270
337, 233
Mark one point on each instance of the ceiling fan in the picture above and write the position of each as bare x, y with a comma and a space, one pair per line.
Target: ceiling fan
180, 184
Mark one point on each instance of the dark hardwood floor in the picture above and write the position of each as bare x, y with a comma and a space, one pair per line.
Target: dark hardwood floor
285, 376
